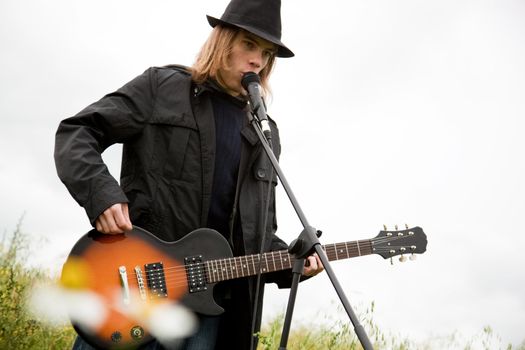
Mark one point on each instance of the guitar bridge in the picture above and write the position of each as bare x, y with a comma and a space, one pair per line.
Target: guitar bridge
195, 273
140, 282
156, 280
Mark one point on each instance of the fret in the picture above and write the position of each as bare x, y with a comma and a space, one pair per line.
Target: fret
215, 270
347, 252
341, 250
366, 246
221, 269
235, 260
335, 249
228, 268
265, 269
232, 266
329, 253
273, 261
253, 263
281, 258
247, 266
208, 272
224, 266
238, 265
287, 260
358, 249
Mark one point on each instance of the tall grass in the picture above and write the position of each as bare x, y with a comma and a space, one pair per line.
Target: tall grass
340, 335
19, 329
330, 335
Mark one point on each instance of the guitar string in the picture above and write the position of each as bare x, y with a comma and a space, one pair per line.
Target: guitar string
331, 251
238, 263
254, 257
229, 268
181, 280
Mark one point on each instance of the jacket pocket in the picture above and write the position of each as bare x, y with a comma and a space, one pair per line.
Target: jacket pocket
262, 169
171, 135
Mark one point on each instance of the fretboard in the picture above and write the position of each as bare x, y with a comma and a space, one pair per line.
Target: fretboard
248, 265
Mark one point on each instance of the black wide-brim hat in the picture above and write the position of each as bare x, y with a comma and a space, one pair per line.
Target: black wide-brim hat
259, 17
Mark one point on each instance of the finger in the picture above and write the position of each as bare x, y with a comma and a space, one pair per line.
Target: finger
126, 216
101, 224
320, 265
310, 266
121, 218
107, 220
98, 225
313, 262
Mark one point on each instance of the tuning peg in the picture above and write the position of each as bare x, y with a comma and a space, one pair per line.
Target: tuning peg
412, 257
384, 226
402, 258
406, 226
396, 227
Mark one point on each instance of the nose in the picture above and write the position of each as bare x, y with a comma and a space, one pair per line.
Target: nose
256, 60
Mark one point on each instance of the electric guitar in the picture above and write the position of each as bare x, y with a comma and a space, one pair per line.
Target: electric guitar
135, 270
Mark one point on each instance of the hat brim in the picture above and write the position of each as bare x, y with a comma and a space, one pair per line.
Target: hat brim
282, 50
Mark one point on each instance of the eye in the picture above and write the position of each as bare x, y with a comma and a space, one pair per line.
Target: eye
268, 54
249, 44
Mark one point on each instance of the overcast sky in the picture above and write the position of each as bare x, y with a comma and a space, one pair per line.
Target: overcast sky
392, 112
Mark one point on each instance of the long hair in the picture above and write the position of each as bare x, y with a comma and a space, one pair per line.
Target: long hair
214, 55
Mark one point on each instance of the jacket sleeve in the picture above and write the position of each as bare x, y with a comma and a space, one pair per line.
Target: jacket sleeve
81, 139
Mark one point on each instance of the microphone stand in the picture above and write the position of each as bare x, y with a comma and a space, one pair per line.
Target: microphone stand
306, 243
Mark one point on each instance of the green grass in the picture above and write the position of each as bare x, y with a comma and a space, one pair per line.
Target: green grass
341, 336
21, 330
330, 335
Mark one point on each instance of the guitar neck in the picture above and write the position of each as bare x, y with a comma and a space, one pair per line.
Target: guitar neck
248, 265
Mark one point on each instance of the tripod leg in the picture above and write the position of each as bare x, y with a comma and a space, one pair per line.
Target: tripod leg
297, 271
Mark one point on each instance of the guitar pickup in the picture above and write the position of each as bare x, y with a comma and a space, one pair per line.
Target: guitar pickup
195, 273
156, 280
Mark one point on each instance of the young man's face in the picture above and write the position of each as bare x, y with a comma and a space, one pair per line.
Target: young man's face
249, 54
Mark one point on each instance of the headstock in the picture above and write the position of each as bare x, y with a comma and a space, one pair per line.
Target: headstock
390, 243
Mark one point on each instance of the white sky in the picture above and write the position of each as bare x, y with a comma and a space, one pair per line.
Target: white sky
392, 112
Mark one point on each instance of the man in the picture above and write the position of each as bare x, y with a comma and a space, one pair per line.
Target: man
190, 159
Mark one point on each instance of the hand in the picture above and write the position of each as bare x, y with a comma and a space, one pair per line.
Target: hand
312, 265
114, 220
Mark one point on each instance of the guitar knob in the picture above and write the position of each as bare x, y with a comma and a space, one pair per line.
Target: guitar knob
116, 337
137, 332
402, 258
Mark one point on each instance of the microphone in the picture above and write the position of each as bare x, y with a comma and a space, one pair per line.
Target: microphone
252, 83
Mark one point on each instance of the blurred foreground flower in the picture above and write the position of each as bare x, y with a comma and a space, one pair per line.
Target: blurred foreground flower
100, 311
58, 305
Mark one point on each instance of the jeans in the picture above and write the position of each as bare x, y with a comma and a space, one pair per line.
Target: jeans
203, 339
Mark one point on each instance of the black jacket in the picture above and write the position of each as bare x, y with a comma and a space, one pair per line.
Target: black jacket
166, 125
